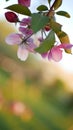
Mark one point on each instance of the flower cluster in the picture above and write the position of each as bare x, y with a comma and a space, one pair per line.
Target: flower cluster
24, 39
24, 45
56, 52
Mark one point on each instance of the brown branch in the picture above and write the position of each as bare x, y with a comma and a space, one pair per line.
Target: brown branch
51, 9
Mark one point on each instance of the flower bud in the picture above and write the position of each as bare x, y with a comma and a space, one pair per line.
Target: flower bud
24, 2
47, 28
11, 17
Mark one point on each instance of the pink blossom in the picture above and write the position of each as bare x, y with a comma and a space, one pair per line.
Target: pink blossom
25, 27
25, 21
44, 55
14, 38
25, 45
24, 2
26, 31
56, 52
22, 52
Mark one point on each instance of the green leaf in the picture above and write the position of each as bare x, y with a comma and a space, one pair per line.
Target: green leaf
63, 37
63, 13
42, 8
38, 21
56, 27
19, 9
57, 4
49, 1
61, 34
47, 44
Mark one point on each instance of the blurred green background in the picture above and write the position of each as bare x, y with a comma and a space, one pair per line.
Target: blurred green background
34, 95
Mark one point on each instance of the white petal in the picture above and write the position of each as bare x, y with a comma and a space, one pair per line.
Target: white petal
13, 38
22, 53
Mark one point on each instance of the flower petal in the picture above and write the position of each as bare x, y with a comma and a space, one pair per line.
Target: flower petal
65, 46
44, 55
24, 2
22, 52
30, 45
25, 21
30, 40
13, 38
25, 31
56, 53
49, 55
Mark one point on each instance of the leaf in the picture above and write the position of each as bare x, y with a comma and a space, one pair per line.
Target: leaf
57, 4
47, 43
38, 21
42, 8
63, 13
63, 37
56, 27
49, 1
19, 9
61, 34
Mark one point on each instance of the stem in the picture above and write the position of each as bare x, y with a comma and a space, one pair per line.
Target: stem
42, 33
51, 8
45, 33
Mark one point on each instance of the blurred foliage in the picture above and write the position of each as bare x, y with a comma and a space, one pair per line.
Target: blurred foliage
48, 106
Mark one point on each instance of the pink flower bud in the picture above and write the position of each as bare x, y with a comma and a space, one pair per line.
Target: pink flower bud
11, 17
24, 2
47, 28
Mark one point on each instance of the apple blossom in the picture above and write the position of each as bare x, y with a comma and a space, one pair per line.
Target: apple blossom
25, 27
24, 45
38, 23
56, 52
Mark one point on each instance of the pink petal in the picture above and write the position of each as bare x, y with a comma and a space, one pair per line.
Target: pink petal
65, 46
30, 40
25, 31
30, 45
49, 55
14, 38
56, 54
24, 2
22, 52
25, 21
44, 55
